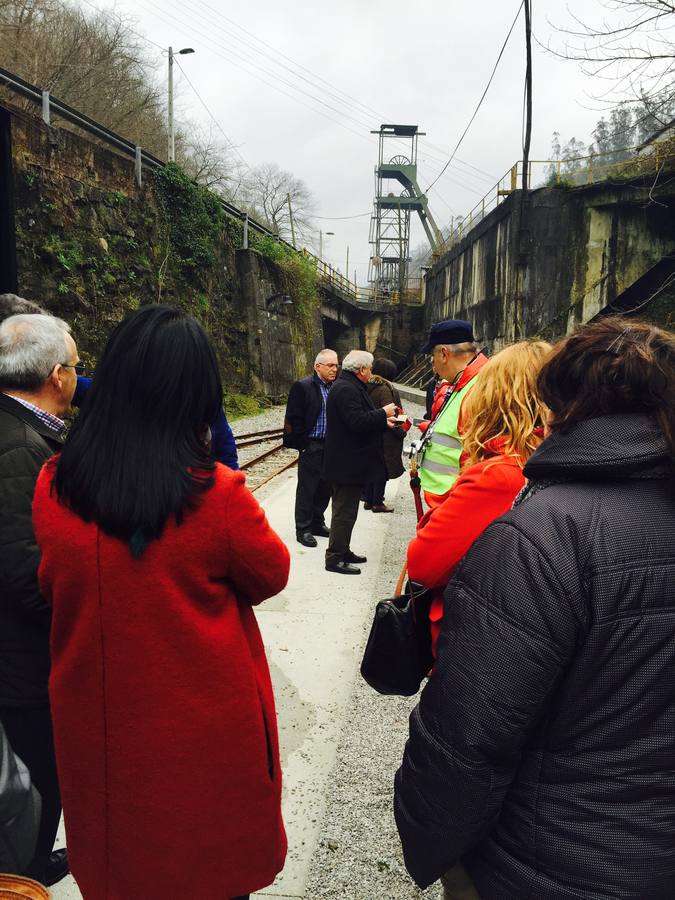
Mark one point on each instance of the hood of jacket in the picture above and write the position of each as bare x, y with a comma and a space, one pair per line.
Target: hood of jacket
375, 380
602, 449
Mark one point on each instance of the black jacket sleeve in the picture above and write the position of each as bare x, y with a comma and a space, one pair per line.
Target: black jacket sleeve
19, 553
508, 633
295, 419
355, 418
19, 811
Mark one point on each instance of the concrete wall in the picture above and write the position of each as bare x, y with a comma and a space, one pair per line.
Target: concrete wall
277, 349
572, 252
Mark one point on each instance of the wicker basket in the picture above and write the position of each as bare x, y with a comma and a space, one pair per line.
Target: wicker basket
14, 887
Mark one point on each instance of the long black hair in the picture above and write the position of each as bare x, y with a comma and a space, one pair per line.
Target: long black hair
137, 452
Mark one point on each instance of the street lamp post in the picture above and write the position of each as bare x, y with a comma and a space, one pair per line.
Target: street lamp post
172, 131
321, 234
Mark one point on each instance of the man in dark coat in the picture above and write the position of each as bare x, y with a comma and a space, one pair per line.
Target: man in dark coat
38, 373
305, 430
353, 453
541, 752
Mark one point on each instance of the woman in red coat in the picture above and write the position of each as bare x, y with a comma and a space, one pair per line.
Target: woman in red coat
153, 556
503, 420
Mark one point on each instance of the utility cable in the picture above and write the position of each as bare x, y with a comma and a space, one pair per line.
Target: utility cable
172, 16
226, 52
336, 218
475, 112
331, 90
368, 109
213, 118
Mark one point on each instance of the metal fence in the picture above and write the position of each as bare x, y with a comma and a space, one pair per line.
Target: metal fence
51, 108
575, 172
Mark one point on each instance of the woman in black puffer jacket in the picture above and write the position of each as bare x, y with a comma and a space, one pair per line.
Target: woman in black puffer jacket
542, 753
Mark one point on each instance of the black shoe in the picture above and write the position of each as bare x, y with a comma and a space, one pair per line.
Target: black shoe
320, 531
51, 870
342, 568
57, 867
306, 538
355, 558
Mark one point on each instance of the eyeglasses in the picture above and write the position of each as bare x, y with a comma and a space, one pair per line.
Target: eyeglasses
328, 365
80, 367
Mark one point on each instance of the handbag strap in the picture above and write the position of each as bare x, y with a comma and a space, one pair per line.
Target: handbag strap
399, 589
401, 579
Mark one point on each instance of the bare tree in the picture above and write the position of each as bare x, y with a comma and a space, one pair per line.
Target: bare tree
630, 54
209, 160
92, 62
265, 193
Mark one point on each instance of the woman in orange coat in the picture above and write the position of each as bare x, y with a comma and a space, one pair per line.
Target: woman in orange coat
504, 420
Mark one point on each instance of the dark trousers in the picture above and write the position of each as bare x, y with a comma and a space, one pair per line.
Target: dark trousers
313, 493
373, 492
29, 732
346, 498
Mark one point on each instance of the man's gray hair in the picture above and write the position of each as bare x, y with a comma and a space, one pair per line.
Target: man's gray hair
357, 359
464, 347
30, 346
322, 354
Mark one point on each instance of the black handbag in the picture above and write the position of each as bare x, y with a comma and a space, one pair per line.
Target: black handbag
398, 653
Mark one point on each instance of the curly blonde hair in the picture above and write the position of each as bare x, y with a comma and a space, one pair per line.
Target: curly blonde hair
503, 404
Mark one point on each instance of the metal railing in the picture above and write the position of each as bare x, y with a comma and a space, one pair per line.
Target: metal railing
573, 172
418, 374
52, 107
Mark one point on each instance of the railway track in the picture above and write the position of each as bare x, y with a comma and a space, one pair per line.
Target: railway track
272, 461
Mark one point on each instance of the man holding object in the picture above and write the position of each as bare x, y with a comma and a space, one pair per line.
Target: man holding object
353, 453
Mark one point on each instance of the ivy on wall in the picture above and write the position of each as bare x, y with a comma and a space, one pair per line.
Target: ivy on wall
91, 254
299, 280
193, 216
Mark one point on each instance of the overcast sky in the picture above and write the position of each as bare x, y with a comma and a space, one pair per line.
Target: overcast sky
424, 63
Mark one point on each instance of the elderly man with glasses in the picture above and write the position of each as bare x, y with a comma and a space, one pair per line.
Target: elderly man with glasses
305, 430
38, 374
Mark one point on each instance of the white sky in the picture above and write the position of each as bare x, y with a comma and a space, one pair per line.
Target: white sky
424, 63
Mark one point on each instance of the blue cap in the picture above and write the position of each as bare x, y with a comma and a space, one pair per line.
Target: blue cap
452, 331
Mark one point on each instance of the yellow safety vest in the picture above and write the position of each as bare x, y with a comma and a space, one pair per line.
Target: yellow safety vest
439, 467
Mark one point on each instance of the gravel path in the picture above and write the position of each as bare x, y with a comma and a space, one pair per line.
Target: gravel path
359, 854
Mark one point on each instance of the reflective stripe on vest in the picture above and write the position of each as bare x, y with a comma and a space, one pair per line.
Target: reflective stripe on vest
445, 440
439, 466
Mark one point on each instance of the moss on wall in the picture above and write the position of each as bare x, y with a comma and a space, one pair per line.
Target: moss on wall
91, 246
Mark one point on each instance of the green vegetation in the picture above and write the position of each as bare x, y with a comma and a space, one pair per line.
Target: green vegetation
238, 406
193, 217
299, 280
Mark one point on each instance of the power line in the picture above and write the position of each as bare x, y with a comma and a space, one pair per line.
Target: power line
475, 112
336, 218
213, 118
462, 162
366, 108
247, 60
254, 69
332, 91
